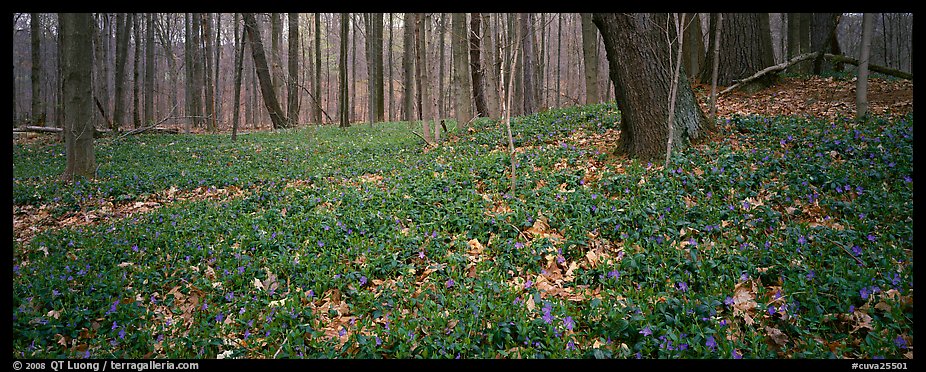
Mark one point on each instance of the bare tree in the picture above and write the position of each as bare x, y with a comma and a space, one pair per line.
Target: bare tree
38, 108
861, 89
461, 75
343, 103
716, 67
745, 47
424, 88
679, 33
76, 30
590, 52
478, 74
527, 43
292, 94
408, 67
149, 68
239, 56
208, 83
263, 72
318, 69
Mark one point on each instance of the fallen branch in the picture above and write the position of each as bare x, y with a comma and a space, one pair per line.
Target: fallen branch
159, 130
422, 138
811, 55
35, 129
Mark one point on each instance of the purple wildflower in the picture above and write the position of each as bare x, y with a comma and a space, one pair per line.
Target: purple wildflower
682, 286
771, 310
528, 284
646, 331
856, 250
710, 343
363, 280
614, 274
864, 293
728, 301
449, 283
802, 240
900, 342
568, 322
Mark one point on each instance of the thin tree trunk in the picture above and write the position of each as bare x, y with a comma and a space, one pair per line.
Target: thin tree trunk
263, 74
378, 96
122, 44
693, 45
491, 69
208, 83
421, 66
478, 74
507, 108
462, 77
343, 110
149, 69
292, 94
38, 108
441, 40
408, 67
590, 52
276, 65
861, 90
239, 56
76, 31
196, 68
391, 117
318, 68
136, 82
527, 43
716, 67
353, 68
670, 123
559, 56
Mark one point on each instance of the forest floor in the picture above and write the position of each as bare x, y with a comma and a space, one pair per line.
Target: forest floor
783, 237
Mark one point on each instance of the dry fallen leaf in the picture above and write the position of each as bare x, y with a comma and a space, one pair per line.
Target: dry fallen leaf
777, 336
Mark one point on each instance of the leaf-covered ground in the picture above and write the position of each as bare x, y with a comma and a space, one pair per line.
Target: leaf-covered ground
782, 237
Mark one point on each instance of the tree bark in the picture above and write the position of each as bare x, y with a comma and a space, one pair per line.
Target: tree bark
208, 83
822, 38
638, 56
292, 94
693, 47
239, 56
744, 47
390, 116
196, 69
276, 65
716, 66
38, 107
263, 72
408, 67
343, 110
478, 74
378, 93
149, 68
122, 44
527, 44
491, 69
318, 69
461, 73
590, 60
421, 66
861, 89
77, 43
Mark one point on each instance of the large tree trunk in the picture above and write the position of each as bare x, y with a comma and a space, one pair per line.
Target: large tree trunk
745, 47
441, 41
217, 79
292, 94
590, 54
408, 67
263, 72
343, 110
318, 69
38, 109
794, 38
693, 47
77, 44
478, 74
823, 39
461, 74
638, 58
276, 34
527, 46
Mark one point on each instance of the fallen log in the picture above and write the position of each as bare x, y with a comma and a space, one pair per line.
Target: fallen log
35, 129
811, 55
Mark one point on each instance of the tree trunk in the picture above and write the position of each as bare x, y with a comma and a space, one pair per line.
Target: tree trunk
276, 65
136, 81
421, 66
292, 94
208, 83
638, 56
343, 109
239, 56
744, 49
390, 116
693, 47
491, 69
461, 73
77, 44
861, 89
715, 68
527, 44
794, 35
441, 40
263, 72
822, 38
217, 79
590, 60
478, 74
122, 44
38, 109
378, 94
317, 113
149, 69
408, 67
196, 77
559, 56
353, 68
